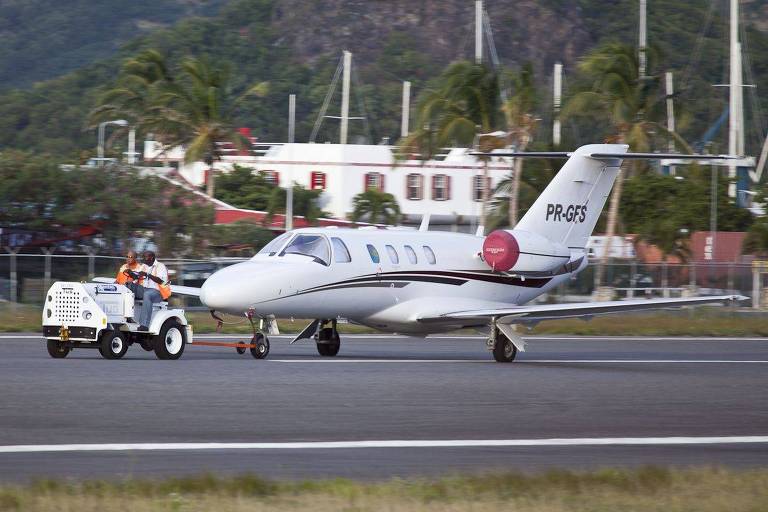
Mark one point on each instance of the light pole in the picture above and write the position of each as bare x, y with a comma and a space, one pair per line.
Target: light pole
100, 141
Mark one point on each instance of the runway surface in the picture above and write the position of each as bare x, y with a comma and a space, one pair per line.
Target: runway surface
386, 406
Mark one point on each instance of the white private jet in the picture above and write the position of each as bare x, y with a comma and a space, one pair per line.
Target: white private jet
424, 282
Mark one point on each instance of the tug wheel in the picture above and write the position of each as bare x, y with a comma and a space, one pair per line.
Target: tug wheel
169, 344
113, 345
58, 349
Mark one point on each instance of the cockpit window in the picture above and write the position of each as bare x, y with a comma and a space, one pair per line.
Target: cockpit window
314, 246
272, 247
340, 251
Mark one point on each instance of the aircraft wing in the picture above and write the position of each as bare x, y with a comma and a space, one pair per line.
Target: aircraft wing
537, 312
189, 291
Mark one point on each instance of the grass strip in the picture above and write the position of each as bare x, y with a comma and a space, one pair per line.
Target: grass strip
644, 489
697, 322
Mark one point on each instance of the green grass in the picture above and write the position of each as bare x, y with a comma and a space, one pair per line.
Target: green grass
645, 489
698, 322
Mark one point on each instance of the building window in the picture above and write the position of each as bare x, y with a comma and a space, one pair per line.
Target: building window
411, 254
272, 177
441, 187
374, 253
393, 257
414, 187
340, 251
477, 187
317, 181
430, 255
373, 181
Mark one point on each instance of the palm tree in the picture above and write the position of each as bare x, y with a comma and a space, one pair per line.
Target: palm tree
194, 109
377, 206
631, 104
197, 112
463, 105
521, 123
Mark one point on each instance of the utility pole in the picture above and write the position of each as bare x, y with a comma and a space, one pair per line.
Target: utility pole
478, 31
734, 100
291, 118
670, 115
642, 42
404, 126
345, 96
556, 101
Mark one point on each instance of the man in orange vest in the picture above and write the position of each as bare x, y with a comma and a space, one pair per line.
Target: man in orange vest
129, 272
153, 288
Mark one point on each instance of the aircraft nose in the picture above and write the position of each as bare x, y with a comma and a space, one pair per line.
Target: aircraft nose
223, 291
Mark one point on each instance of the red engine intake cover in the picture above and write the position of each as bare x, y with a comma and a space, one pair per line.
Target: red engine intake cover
500, 250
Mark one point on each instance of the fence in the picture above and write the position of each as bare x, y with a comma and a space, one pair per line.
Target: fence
25, 278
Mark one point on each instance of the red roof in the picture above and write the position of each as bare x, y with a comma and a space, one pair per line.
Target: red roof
227, 216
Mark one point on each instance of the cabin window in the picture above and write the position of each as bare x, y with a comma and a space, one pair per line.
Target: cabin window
340, 251
275, 244
374, 253
430, 255
414, 187
313, 246
393, 256
373, 181
441, 187
477, 187
411, 254
317, 181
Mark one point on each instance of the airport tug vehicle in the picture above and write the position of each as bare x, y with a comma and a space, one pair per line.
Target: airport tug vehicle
101, 316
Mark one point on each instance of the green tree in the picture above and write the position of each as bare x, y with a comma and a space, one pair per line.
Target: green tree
375, 207
521, 125
462, 104
630, 103
194, 109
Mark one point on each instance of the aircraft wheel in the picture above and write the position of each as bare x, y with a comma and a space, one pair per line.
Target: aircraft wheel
261, 349
58, 349
169, 344
504, 351
113, 345
328, 343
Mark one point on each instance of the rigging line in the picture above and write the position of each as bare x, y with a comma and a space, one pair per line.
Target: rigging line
758, 121
361, 103
503, 83
694, 61
327, 101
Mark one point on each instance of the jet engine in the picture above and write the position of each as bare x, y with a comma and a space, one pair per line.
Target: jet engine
523, 251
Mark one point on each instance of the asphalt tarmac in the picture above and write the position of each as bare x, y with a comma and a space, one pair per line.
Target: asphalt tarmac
384, 407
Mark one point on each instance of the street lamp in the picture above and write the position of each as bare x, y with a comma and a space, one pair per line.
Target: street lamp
100, 142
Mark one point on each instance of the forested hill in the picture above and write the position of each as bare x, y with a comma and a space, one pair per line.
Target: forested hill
42, 39
295, 45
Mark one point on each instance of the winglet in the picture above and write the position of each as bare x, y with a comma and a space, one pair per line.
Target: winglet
424, 222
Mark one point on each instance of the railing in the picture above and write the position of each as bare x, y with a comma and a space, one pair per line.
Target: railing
26, 277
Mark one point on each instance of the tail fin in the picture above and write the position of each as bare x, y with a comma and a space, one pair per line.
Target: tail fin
568, 209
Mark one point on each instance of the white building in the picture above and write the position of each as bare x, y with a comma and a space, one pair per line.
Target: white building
449, 187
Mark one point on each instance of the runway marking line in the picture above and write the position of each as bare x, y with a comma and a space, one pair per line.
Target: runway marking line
327, 445
525, 361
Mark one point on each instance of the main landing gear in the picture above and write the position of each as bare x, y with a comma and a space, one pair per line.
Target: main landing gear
328, 339
504, 343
